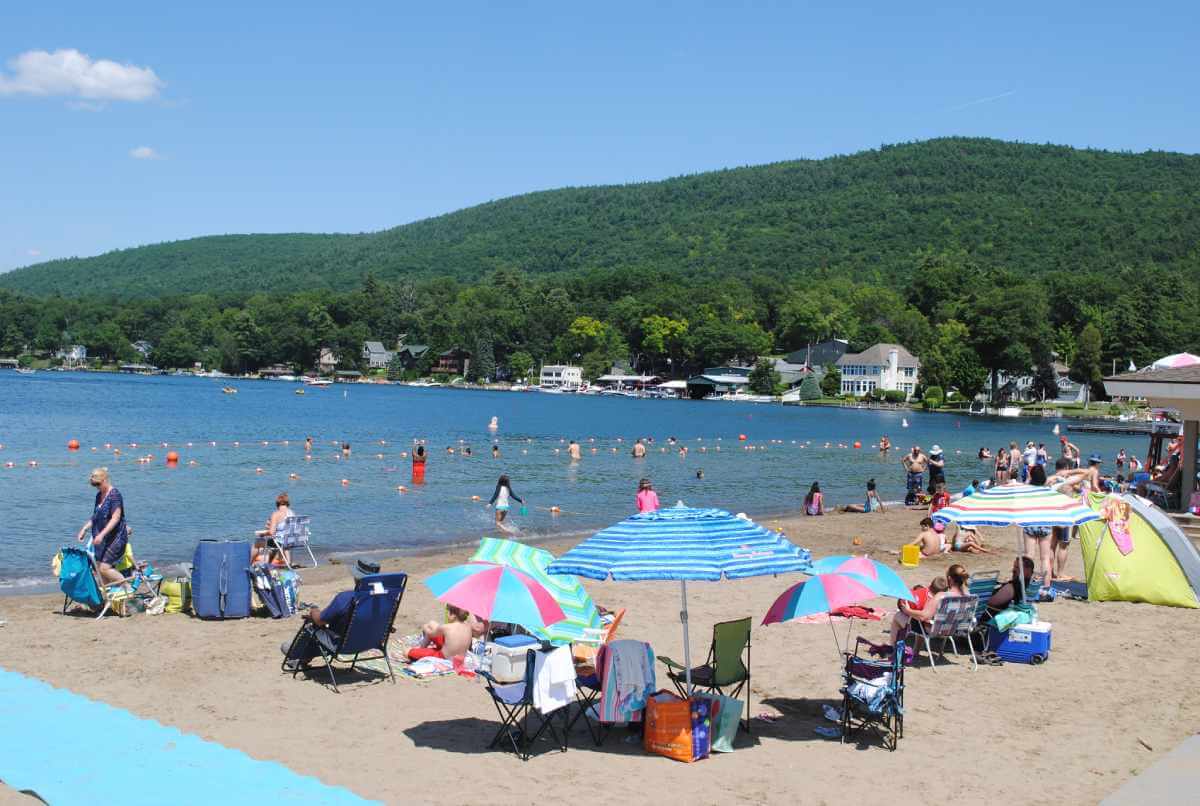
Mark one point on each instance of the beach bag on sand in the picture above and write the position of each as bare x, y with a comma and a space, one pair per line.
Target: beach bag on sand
725, 715
179, 594
678, 729
269, 590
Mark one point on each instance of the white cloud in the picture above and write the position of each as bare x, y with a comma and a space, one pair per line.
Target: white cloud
144, 153
71, 73
34, 252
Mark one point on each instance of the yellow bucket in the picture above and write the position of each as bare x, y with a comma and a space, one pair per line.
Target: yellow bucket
910, 555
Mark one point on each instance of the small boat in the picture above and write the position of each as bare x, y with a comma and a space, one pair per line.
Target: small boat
319, 383
229, 390
1009, 411
299, 391
25, 370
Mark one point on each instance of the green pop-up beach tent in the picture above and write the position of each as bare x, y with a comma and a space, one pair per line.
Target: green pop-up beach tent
582, 624
1163, 567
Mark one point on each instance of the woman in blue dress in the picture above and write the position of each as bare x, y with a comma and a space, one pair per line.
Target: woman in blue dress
107, 525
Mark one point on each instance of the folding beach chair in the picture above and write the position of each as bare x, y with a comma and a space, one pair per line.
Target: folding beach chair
369, 626
588, 685
982, 584
873, 695
79, 580
291, 535
724, 668
954, 618
514, 704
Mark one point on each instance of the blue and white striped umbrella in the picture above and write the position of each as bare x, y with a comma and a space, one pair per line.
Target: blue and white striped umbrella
682, 543
1017, 505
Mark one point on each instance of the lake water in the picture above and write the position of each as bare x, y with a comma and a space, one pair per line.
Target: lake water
259, 435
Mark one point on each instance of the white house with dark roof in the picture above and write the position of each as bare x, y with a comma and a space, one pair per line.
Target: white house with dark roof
887, 367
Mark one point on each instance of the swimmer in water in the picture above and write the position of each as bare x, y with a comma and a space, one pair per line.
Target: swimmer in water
466, 451
501, 498
699, 474
495, 451
346, 450
573, 450
308, 444
885, 444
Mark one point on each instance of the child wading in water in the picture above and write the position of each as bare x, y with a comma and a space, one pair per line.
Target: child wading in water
500, 499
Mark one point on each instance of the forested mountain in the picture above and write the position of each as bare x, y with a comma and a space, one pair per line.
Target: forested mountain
1028, 208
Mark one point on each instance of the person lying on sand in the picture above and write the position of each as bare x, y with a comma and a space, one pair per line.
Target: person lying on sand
445, 640
967, 539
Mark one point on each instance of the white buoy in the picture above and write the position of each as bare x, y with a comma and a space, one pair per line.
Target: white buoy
1056, 429
903, 423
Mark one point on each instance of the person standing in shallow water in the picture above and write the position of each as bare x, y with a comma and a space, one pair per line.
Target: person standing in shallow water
574, 452
501, 499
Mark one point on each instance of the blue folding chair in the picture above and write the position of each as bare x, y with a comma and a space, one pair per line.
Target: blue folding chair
873, 695
369, 626
514, 704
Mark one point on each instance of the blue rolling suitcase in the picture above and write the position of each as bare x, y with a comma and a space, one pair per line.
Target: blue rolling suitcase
220, 584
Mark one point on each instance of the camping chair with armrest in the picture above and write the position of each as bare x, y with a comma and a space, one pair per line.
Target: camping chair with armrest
954, 618
724, 672
873, 694
982, 584
292, 534
514, 704
369, 626
587, 676
79, 580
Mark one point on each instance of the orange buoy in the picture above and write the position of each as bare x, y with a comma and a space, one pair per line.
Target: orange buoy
857, 444
555, 510
475, 498
742, 437
172, 457
73, 445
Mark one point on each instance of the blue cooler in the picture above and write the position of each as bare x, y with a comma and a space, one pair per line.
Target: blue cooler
1024, 643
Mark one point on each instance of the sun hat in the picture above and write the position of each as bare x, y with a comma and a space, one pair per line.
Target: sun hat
1095, 459
363, 568
938, 526
936, 449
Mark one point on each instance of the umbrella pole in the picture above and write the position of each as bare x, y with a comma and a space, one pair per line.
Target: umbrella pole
833, 630
687, 646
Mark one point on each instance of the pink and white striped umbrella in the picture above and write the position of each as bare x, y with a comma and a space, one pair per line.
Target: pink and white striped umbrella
1176, 360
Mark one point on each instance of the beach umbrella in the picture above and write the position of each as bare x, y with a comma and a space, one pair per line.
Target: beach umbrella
1176, 360
684, 544
1017, 505
821, 593
875, 575
582, 621
497, 593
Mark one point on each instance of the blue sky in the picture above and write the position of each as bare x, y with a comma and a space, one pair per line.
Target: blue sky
186, 119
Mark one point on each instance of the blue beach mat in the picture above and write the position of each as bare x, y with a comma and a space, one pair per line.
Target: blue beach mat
69, 749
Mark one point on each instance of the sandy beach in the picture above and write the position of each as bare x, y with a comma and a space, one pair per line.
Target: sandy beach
1070, 731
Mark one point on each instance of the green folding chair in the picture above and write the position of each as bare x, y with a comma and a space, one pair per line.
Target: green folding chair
725, 672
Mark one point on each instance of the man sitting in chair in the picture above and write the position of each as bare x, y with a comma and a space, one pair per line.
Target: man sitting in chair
331, 622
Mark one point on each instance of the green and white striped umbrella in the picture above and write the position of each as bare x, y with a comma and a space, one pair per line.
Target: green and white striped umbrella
566, 589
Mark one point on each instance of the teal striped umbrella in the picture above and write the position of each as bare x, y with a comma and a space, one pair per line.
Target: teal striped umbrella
582, 622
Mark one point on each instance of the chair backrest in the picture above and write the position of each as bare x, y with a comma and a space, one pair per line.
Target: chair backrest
1033, 588
77, 579
370, 620
730, 640
983, 585
398, 580
293, 532
954, 615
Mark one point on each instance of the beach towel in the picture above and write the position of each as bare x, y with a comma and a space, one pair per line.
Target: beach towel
553, 680
426, 668
628, 680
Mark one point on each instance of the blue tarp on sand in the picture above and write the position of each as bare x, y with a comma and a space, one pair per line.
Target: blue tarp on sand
69, 749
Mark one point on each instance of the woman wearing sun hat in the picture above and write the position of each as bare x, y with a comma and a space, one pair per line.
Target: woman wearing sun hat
937, 468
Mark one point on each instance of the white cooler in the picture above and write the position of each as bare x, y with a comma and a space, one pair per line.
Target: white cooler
508, 655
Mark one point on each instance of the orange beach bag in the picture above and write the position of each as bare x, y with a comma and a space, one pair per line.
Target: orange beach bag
678, 729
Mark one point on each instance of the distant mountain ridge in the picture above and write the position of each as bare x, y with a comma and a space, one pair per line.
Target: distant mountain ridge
1032, 208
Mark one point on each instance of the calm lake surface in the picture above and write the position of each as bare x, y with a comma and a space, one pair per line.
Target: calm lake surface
230, 489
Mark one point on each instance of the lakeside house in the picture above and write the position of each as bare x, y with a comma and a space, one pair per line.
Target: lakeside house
886, 367
326, 361
73, 356
143, 348
617, 381
409, 355
560, 376
1020, 387
820, 355
375, 355
455, 361
718, 381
